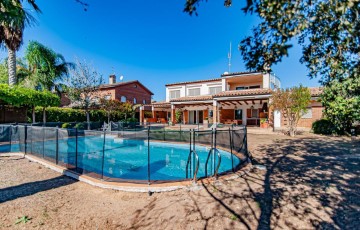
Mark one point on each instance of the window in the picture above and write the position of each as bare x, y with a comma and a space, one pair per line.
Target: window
135, 101
174, 94
144, 101
214, 90
211, 113
254, 113
107, 97
238, 114
123, 99
307, 114
194, 92
248, 87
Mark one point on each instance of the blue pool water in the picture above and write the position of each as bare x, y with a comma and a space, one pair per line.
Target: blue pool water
128, 159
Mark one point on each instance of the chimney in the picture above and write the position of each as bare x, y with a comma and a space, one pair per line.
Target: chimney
112, 79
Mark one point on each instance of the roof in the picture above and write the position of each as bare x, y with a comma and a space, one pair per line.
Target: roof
161, 104
315, 91
214, 79
239, 73
246, 92
107, 86
191, 82
196, 98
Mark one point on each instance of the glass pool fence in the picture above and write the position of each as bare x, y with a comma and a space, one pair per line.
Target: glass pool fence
133, 153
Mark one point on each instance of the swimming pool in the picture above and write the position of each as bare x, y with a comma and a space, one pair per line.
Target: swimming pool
128, 159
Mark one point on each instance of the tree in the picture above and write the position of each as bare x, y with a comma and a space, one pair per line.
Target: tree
292, 103
19, 96
110, 106
329, 33
14, 18
342, 102
46, 69
83, 85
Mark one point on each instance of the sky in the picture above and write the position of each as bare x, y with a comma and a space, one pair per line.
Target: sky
153, 41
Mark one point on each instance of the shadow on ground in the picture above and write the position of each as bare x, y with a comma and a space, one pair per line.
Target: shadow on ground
310, 183
28, 189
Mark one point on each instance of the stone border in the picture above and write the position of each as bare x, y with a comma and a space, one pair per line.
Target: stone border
132, 187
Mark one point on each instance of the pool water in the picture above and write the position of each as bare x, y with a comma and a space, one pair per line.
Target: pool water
128, 159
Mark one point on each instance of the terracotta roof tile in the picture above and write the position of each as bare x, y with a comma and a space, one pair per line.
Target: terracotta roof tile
243, 92
161, 104
196, 98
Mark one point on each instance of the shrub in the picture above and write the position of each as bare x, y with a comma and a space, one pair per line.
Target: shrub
55, 114
66, 126
81, 125
323, 126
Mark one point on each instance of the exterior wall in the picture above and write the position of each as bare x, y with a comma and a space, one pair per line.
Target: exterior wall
317, 113
12, 114
266, 81
64, 100
233, 86
130, 91
204, 88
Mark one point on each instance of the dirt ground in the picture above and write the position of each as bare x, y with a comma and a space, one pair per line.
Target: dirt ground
310, 182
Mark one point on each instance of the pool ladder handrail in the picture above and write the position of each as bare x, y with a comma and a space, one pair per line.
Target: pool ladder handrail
193, 152
219, 161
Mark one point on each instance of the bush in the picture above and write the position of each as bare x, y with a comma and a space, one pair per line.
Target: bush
66, 126
81, 125
323, 126
55, 114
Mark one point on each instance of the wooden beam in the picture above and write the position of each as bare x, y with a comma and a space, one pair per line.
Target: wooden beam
246, 102
260, 102
253, 102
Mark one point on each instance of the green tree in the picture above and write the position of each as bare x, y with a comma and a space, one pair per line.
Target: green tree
342, 102
83, 85
45, 69
329, 33
110, 106
13, 20
292, 103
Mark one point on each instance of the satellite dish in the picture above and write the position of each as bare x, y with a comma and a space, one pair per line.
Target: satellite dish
121, 77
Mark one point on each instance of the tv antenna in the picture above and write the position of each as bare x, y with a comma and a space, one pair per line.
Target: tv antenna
229, 57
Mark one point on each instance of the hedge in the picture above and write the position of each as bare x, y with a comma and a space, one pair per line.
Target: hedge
55, 114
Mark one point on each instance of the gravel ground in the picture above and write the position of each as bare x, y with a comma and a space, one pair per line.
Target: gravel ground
310, 182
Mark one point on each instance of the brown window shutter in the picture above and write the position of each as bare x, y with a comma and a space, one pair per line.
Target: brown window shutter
248, 113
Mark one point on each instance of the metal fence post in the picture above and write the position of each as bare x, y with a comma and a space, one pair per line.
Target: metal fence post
57, 146
231, 132
43, 141
10, 134
76, 148
148, 168
103, 157
25, 139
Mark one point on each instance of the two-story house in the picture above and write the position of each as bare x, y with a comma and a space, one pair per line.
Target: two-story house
234, 98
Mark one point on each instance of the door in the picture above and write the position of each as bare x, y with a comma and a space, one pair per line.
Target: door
191, 117
201, 117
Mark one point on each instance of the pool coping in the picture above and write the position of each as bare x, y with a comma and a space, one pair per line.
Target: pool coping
133, 187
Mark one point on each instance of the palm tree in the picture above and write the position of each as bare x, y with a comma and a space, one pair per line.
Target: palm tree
13, 20
46, 67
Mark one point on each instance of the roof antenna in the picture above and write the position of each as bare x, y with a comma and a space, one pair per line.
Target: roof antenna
229, 57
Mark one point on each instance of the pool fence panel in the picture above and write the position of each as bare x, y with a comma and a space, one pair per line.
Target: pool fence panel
109, 154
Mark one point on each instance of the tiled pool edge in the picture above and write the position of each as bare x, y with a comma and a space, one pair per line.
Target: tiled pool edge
130, 187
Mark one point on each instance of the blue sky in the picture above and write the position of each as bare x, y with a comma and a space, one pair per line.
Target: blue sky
153, 41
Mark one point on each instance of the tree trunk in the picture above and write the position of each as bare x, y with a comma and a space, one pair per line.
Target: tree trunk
12, 66
44, 115
33, 114
108, 117
88, 119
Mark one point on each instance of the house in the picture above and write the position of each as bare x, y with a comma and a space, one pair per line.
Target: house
133, 92
233, 98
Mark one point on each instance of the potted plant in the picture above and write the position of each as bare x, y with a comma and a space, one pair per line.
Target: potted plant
264, 123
